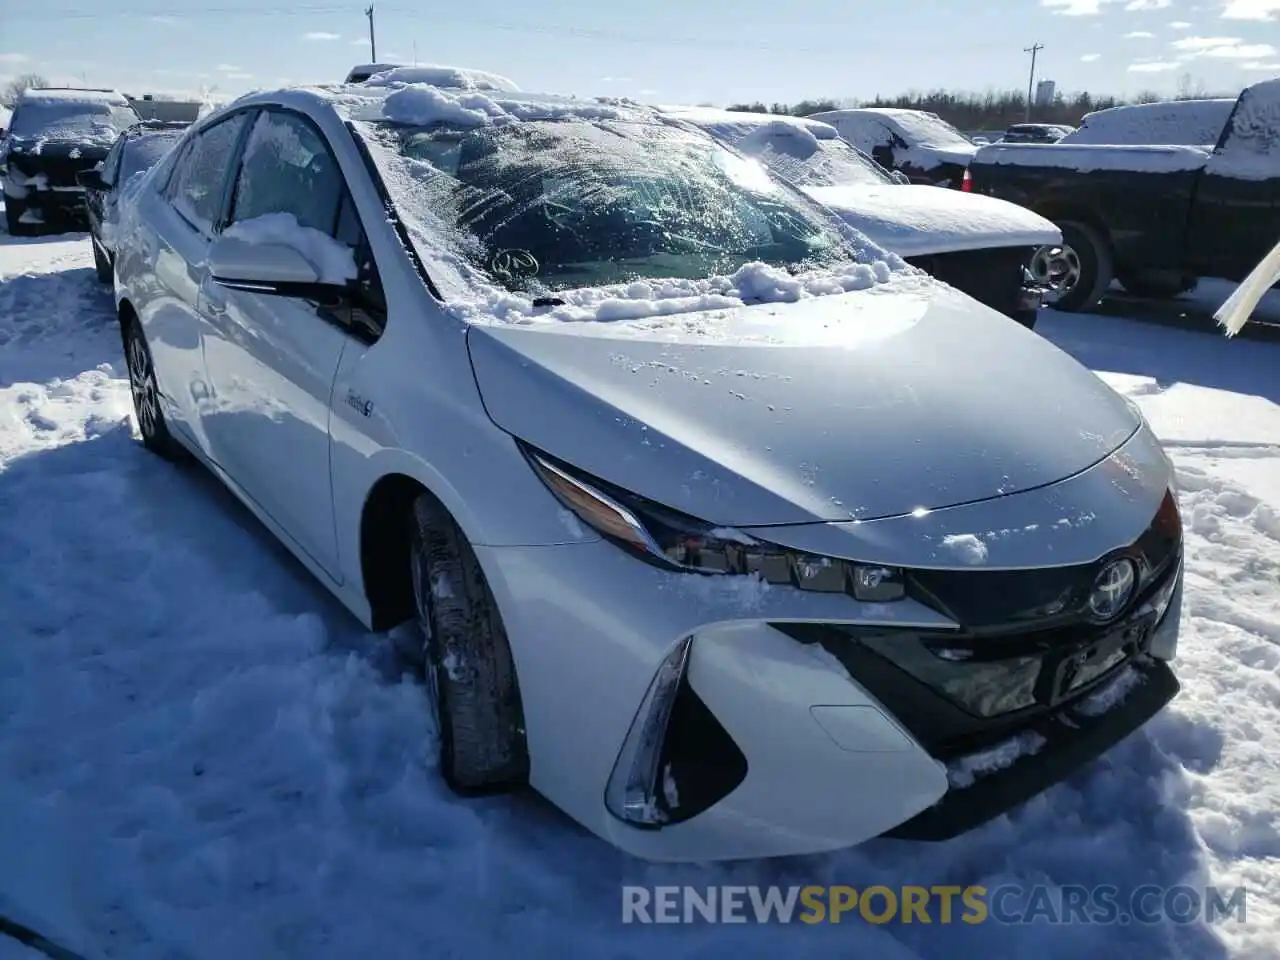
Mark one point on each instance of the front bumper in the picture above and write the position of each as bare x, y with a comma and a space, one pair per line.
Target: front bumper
996, 277
787, 737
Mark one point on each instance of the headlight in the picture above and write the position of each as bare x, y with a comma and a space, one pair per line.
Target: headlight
677, 541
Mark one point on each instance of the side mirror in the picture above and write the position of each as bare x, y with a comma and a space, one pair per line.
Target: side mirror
276, 269
91, 179
900, 177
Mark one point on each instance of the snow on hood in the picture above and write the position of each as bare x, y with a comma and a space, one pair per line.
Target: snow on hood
1086, 158
859, 406
641, 299
918, 220
458, 78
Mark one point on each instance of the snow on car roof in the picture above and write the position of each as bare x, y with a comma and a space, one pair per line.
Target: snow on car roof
437, 75
1173, 123
1085, 158
66, 95
421, 104
741, 123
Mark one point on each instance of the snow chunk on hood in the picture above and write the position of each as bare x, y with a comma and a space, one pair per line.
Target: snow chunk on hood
750, 284
456, 78
333, 262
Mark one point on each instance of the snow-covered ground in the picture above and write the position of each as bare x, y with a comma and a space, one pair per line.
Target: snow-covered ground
202, 756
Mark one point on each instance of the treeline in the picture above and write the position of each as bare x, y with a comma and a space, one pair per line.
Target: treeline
993, 110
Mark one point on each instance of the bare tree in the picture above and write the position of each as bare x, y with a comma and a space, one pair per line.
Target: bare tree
13, 90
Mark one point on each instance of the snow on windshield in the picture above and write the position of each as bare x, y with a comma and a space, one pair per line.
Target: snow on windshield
72, 119
928, 130
798, 156
583, 208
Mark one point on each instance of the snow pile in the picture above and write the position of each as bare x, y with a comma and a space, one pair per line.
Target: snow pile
1188, 123
750, 284
1087, 159
422, 105
455, 78
333, 262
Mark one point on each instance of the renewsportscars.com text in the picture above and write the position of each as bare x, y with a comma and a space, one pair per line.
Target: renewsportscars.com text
942, 904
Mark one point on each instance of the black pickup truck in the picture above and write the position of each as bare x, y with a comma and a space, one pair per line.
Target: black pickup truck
1156, 218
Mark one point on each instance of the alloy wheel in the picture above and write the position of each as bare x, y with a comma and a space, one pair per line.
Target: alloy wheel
142, 384
1057, 267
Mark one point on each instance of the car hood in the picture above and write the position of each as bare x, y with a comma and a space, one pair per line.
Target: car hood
914, 221
37, 148
852, 406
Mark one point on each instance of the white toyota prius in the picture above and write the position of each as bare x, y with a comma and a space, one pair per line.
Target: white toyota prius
726, 530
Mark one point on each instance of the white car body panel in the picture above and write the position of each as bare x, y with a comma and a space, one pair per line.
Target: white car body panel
305, 426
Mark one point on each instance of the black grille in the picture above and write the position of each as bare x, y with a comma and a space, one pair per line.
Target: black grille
59, 170
993, 277
1012, 660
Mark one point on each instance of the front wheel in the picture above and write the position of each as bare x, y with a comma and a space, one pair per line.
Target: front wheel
146, 394
468, 667
1085, 269
13, 211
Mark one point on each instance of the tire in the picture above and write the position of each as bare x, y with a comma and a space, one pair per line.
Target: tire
101, 265
146, 395
1093, 267
476, 699
13, 211
1026, 317
1156, 286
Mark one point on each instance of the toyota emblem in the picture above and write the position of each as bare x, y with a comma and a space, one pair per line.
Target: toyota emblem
1112, 589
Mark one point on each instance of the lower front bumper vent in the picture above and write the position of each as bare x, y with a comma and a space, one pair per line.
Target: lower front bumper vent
1068, 740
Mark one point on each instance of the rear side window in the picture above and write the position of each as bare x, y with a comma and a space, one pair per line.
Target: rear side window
287, 168
195, 189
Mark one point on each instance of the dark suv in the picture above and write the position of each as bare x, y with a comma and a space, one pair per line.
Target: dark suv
55, 133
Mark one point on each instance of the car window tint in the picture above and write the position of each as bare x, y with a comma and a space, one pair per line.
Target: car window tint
288, 168
196, 186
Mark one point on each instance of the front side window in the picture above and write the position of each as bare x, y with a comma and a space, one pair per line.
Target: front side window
546, 205
287, 168
196, 185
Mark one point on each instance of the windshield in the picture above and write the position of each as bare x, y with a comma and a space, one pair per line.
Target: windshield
809, 162
548, 205
144, 153
71, 118
929, 130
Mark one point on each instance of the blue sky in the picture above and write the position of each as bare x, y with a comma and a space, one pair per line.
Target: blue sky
664, 50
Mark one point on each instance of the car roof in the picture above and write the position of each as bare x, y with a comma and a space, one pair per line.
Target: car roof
420, 104
437, 75
739, 120
74, 95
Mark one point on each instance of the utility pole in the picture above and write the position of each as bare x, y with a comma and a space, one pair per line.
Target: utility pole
373, 46
1033, 50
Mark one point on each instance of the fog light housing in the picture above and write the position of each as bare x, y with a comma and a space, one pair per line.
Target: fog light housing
877, 584
633, 793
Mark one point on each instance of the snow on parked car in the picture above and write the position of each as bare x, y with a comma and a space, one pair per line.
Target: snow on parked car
600, 406
55, 134
986, 247
920, 144
1186, 123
